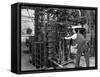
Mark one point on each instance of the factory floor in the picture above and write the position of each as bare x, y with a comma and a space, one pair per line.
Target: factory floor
25, 64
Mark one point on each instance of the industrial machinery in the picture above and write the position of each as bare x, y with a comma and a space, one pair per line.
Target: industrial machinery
52, 50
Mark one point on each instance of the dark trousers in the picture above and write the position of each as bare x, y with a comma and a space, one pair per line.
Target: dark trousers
82, 48
92, 47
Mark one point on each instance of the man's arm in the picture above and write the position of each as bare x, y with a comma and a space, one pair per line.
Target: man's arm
74, 36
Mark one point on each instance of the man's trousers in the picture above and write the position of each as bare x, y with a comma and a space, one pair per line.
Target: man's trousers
82, 48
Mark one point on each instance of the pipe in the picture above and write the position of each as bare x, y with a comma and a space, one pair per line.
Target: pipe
56, 63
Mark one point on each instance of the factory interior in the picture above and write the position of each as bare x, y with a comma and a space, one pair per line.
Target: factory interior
43, 32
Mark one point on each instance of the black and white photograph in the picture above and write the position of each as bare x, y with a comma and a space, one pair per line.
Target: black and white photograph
57, 38
53, 38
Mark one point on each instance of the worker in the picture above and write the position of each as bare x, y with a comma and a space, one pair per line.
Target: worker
82, 47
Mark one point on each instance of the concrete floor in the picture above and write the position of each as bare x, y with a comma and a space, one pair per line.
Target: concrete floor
25, 65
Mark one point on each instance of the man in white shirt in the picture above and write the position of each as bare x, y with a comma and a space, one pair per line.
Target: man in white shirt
81, 46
